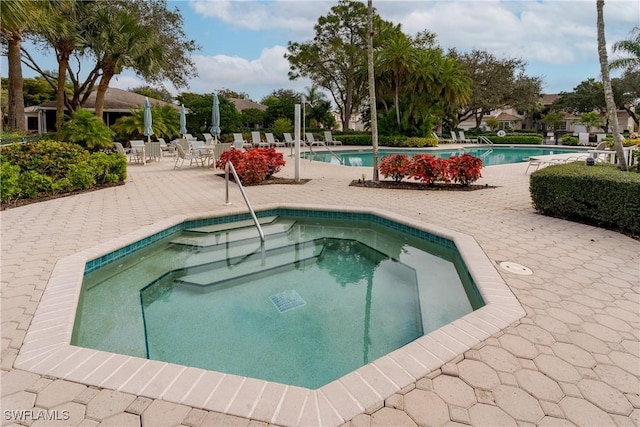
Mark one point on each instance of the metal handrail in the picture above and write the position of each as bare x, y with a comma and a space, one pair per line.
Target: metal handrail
328, 149
485, 140
228, 167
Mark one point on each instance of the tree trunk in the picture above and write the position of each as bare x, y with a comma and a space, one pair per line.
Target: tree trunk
397, 100
101, 92
372, 92
608, 91
15, 109
63, 62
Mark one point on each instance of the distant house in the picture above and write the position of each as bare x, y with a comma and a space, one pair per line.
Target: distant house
509, 118
117, 103
244, 104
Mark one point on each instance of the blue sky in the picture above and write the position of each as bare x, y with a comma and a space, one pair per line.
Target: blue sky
243, 42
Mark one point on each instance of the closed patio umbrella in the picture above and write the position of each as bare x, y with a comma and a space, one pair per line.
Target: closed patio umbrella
215, 117
148, 121
183, 120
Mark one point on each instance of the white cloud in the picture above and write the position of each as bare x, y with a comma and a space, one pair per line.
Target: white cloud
257, 77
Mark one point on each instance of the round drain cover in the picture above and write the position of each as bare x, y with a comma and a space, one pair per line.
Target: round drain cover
516, 268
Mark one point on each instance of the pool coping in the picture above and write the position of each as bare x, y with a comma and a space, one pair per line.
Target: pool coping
47, 349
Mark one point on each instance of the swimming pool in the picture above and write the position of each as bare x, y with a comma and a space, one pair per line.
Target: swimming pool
321, 298
490, 155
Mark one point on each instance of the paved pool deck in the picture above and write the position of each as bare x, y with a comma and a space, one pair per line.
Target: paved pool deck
574, 359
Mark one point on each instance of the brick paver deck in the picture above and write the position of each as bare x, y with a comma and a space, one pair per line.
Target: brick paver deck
573, 360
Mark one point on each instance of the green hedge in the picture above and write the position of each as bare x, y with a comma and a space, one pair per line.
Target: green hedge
600, 194
516, 139
49, 167
386, 140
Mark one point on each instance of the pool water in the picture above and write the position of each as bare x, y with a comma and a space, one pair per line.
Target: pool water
320, 298
490, 155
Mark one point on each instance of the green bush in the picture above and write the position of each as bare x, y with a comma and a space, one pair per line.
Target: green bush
9, 179
517, 139
87, 130
569, 140
600, 194
50, 167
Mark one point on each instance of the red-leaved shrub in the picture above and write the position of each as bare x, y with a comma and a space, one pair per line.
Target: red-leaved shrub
254, 165
465, 169
396, 166
429, 169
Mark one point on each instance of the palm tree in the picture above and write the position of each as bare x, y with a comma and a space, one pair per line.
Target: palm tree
121, 41
608, 91
63, 35
15, 17
166, 122
632, 47
396, 59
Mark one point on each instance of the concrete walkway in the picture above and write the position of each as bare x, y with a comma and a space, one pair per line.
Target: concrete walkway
573, 360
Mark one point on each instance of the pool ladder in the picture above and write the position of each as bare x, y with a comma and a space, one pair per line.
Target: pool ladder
229, 167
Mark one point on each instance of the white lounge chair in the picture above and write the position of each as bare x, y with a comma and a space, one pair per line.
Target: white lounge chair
288, 140
239, 143
256, 140
440, 139
465, 139
454, 137
208, 138
272, 141
312, 141
328, 139
189, 137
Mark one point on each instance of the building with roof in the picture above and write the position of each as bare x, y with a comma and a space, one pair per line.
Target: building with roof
117, 103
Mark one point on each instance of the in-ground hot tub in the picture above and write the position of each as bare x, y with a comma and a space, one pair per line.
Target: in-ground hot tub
344, 309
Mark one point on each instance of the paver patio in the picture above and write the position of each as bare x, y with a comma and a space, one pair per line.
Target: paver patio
574, 359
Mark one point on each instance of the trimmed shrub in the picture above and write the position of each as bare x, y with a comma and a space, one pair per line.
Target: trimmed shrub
253, 165
429, 169
50, 167
569, 140
465, 169
600, 194
396, 166
517, 139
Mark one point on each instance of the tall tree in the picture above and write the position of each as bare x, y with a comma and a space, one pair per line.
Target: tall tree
608, 91
396, 59
497, 83
16, 17
335, 59
142, 35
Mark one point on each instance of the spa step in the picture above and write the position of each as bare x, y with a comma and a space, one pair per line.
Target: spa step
231, 225
228, 272
235, 235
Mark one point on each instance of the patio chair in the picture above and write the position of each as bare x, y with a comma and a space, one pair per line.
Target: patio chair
311, 141
288, 140
454, 138
220, 148
440, 139
202, 151
208, 138
239, 143
256, 140
166, 149
183, 155
465, 139
152, 151
189, 137
272, 141
136, 150
328, 139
